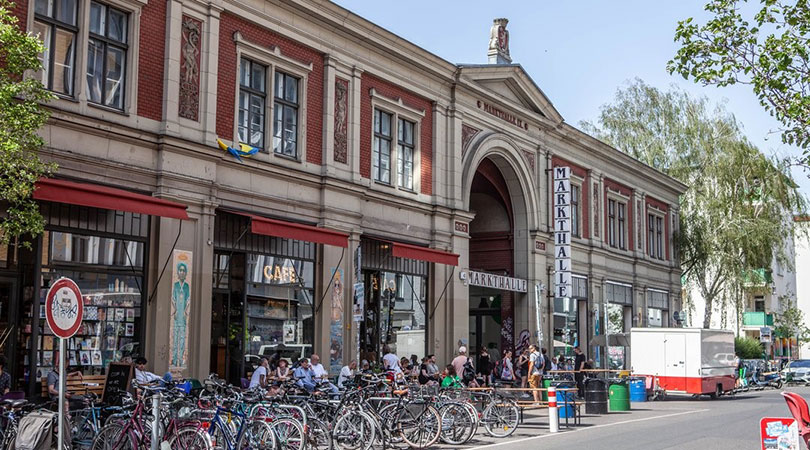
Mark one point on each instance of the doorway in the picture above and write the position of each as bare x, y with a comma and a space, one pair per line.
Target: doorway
485, 322
8, 325
227, 337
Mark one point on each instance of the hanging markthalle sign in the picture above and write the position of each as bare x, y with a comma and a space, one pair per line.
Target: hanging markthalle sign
562, 232
491, 280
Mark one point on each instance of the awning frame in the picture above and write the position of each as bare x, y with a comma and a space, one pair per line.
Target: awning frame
400, 250
294, 230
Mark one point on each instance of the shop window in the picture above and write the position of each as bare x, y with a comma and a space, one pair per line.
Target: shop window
403, 313
252, 102
285, 115
381, 157
55, 23
106, 55
405, 154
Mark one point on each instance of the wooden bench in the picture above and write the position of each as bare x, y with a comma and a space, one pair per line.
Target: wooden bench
79, 386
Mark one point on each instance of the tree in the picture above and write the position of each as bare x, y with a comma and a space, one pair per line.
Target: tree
790, 323
747, 348
733, 215
21, 115
766, 47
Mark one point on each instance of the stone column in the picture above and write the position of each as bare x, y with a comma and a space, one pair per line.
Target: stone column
330, 303
354, 123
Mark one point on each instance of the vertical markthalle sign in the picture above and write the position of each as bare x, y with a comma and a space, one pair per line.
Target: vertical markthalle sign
562, 232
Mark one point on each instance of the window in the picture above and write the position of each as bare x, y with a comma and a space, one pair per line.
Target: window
252, 100
654, 317
622, 229
405, 154
285, 115
612, 223
575, 210
651, 235
106, 56
381, 157
55, 23
659, 237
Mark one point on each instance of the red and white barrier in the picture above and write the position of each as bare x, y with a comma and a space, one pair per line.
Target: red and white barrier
553, 418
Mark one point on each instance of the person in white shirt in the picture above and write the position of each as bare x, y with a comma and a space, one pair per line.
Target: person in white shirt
321, 375
391, 361
346, 373
142, 376
260, 375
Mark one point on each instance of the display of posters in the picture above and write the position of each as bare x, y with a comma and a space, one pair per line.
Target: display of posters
180, 307
336, 328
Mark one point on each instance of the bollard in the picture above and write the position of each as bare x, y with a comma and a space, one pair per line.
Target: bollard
156, 444
553, 418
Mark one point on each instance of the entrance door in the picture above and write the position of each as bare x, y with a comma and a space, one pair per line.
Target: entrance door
675, 355
485, 324
8, 325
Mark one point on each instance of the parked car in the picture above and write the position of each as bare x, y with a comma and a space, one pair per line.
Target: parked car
797, 371
291, 352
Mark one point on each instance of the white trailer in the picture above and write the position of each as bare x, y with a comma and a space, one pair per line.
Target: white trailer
687, 360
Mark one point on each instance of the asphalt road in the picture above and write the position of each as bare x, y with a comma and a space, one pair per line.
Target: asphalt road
680, 422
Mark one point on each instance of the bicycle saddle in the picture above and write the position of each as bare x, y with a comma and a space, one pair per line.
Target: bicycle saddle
400, 392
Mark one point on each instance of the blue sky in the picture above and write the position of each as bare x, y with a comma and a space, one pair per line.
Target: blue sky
578, 51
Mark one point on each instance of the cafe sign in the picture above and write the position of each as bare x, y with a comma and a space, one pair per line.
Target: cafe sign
490, 280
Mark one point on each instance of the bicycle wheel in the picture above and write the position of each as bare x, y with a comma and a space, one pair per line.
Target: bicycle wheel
190, 438
353, 431
318, 436
289, 433
500, 418
257, 435
457, 425
388, 431
420, 425
9, 436
84, 428
113, 437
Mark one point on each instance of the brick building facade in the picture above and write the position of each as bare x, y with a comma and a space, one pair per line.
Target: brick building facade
363, 141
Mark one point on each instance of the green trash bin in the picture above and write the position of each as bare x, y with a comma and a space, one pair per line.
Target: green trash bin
546, 383
619, 395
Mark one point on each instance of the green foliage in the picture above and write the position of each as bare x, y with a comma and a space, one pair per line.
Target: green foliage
21, 115
733, 215
790, 323
747, 347
766, 47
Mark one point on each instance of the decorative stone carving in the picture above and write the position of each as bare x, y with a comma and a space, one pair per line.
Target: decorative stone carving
189, 106
596, 209
530, 158
341, 120
498, 52
468, 133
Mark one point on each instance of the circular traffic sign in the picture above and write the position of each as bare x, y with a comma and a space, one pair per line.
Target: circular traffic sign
64, 308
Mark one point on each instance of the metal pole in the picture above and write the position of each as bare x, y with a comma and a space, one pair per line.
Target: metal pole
60, 434
155, 421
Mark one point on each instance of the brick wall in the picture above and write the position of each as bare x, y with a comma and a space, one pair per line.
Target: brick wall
227, 73
389, 90
584, 197
19, 9
152, 45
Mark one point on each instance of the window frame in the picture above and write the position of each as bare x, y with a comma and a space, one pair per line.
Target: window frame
106, 41
621, 213
398, 111
251, 91
618, 231
53, 23
286, 103
612, 222
659, 243
401, 145
274, 61
378, 136
576, 191
656, 234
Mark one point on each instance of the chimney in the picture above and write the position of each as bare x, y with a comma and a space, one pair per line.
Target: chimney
499, 43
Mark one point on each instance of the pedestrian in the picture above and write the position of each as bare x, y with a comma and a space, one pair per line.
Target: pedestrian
546, 361
390, 361
261, 375
507, 370
142, 376
523, 368
484, 366
579, 376
432, 368
5, 378
305, 375
283, 370
346, 373
536, 364
554, 364
321, 375
459, 361
450, 378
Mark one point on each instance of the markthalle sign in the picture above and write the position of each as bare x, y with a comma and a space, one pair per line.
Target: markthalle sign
491, 280
562, 232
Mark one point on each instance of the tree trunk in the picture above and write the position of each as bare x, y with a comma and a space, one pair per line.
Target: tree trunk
707, 314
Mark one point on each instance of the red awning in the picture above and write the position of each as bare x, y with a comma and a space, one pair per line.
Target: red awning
298, 231
96, 196
400, 250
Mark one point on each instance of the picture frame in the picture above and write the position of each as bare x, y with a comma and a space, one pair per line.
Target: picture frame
84, 357
129, 330
131, 315
47, 358
96, 357
120, 314
73, 361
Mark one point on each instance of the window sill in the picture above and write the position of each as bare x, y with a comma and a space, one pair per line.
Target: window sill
108, 109
65, 97
287, 157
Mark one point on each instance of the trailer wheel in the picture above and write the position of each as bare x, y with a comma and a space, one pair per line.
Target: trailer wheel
718, 391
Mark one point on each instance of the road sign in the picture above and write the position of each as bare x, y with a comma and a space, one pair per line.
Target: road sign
778, 433
64, 308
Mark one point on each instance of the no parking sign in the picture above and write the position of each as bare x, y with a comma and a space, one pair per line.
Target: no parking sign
64, 308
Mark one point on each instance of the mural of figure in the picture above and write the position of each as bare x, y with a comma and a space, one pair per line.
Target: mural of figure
181, 292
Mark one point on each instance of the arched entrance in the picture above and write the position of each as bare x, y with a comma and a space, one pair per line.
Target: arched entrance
499, 191
491, 251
